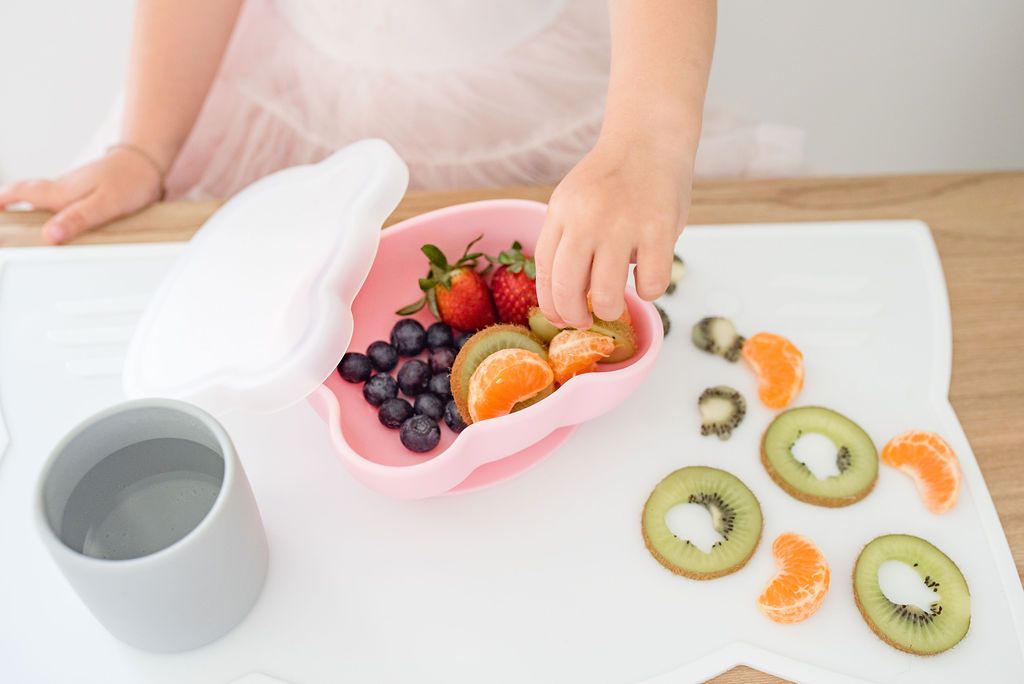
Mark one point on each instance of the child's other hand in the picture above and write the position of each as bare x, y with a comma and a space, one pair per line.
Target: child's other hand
625, 200
119, 183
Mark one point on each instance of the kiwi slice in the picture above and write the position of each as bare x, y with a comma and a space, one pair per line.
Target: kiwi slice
735, 514
717, 335
856, 457
922, 631
481, 345
620, 331
666, 324
678, 271
721, 410
544, 329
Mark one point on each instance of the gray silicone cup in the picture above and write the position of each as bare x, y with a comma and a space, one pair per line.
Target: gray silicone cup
186, 594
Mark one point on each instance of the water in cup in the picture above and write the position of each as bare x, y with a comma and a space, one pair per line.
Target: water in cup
142, 498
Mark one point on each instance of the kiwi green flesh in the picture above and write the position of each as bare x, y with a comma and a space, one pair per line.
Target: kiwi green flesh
546, 392
932, 630
479, 347
734, 510
544, 329
856, 456
620, 331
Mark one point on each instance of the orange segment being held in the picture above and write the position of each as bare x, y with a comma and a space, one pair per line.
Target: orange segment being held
931, 463
504, 379
572, 352
800, 585
779, 367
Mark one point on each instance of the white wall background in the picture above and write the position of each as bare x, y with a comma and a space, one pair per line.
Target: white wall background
879, 86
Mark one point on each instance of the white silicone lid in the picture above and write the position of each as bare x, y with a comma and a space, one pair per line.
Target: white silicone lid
256, 312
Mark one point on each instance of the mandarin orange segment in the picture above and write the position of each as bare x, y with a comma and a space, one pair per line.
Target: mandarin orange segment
931, 463
779, 367
799, 587
504, 379
572, 352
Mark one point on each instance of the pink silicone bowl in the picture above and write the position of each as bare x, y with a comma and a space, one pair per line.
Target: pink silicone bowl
493, 450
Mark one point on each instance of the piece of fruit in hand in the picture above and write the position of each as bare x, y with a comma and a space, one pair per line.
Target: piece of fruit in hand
455, 293
621, 332
514, 285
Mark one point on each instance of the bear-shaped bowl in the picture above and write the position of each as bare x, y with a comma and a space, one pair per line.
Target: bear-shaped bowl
486, 452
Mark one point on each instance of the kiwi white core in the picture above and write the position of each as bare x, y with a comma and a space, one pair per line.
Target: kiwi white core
818, 453
903, 586
694, 523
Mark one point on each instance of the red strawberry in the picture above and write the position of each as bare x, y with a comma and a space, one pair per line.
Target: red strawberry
513, 286
455, 293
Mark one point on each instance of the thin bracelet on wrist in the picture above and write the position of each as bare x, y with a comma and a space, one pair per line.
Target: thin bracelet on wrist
138, 151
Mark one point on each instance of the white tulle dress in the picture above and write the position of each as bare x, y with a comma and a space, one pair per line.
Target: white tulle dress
469, 92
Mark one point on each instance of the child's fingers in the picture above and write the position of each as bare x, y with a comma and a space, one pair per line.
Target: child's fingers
654, 267
92, 210
41, 194
570, 281
608, 281
544, 257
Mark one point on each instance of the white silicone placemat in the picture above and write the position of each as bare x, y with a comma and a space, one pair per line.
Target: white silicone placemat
543, 578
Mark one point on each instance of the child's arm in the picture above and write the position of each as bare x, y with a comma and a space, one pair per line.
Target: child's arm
177, 46
629, 197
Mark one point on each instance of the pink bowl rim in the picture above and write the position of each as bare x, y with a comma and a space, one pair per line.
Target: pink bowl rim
526, 419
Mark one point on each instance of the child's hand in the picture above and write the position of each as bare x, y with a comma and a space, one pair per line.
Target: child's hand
121, 182
627, 199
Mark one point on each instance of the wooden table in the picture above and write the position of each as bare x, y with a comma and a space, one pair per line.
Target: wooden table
978, 223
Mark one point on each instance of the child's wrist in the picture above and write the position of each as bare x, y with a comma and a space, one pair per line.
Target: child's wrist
161, 150
650, 136
670, 126
140, 153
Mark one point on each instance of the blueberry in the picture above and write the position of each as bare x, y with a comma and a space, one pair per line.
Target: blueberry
441, 385
379, 389
419, 434
382, 355
442, 359
413, 377
461, 340
439, 335
355, 367
408, 337
394, 412
452, 417
429, 405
